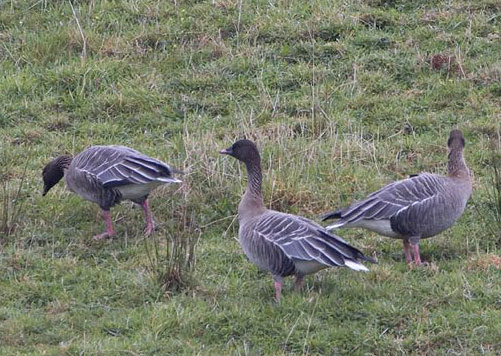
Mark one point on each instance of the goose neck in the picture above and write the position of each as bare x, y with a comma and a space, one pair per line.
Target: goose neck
456, 165
252, 203
254, 178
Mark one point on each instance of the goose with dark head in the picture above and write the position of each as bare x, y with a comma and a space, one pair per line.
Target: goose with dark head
284, 244
107, 175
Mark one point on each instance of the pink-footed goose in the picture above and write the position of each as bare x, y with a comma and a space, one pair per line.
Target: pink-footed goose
106, 175
411, 209
284, 244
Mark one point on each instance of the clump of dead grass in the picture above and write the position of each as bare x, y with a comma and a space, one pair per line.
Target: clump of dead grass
484, 261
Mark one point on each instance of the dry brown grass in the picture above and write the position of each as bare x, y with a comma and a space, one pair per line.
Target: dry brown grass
484, 261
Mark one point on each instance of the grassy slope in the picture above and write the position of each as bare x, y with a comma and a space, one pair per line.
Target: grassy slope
340, 97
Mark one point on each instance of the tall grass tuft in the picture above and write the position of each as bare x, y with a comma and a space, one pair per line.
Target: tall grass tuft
495, 195
171, 253
491, 211
171, 256
12, 203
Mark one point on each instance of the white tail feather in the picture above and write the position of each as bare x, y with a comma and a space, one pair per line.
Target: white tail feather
334, 226
169, 180
356, 266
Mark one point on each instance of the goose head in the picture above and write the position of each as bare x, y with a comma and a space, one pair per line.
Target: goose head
456, 140
243, 150
54, 171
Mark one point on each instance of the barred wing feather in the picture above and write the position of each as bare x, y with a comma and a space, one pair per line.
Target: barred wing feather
395, 197
302, 239
118, 165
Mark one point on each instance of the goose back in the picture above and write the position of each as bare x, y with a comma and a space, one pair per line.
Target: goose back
108, 174
422, 205
286, 244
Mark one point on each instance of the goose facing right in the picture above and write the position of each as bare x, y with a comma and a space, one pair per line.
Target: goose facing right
419, 207
280, 243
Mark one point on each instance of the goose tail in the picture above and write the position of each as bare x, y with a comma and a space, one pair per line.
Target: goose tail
169, 180
356, 266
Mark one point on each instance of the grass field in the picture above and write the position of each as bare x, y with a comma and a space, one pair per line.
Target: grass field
340, 96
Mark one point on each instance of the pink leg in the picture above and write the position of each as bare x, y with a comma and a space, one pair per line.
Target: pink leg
278, 290
150, 225
417, 257
299, 283
109, 226
407, 251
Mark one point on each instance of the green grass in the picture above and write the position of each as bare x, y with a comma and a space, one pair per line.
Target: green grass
341, 98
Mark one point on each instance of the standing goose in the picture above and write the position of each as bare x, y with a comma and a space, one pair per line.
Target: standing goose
418, 207
281, 243
107, 175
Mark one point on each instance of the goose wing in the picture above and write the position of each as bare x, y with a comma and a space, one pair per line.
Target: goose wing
302, 239
417, 192
118, 165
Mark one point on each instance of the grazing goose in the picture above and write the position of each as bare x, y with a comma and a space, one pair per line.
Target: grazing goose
106, 175
281, 243
415, 208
